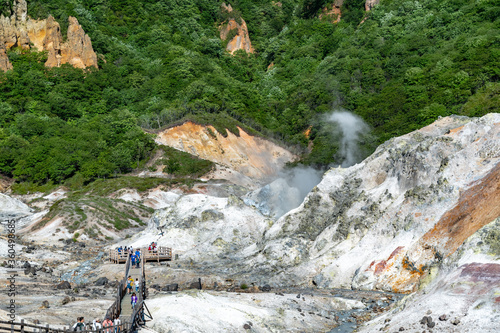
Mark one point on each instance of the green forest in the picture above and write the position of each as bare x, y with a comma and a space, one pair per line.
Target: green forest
399, 66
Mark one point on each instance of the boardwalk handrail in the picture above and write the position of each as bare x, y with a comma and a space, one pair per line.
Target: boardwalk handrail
137, 316
112, 312
160, 253
13, 327
115, 308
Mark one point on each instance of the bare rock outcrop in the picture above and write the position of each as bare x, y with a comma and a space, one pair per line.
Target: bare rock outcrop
77, 50
5, 64
19, 30
332, 12
369, 4
252, 156
236, 30
387, 222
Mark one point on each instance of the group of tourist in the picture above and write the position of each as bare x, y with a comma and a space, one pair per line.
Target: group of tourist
152, 247
131, 283
107, 326
135, 257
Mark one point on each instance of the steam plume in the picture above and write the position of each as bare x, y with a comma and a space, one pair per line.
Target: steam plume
351, 127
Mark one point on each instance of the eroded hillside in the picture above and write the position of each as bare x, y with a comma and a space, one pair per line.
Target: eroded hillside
249, 155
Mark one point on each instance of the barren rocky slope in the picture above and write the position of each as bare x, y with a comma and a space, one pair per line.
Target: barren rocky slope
419, 216
248, 155
393, 222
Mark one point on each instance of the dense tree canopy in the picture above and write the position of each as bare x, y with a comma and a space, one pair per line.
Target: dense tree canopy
406, 64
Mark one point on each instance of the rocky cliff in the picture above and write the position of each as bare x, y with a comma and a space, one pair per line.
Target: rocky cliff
249, 155
420, 214
332, 12
369, 4
387, 222
5, 64
19, 30
235, 29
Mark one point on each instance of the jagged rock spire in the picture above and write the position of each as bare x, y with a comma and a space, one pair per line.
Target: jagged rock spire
18, 30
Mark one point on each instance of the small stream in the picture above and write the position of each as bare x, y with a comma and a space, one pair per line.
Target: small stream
82, 273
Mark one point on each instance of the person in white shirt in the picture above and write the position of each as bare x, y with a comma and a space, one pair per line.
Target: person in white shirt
96, 325
116, 323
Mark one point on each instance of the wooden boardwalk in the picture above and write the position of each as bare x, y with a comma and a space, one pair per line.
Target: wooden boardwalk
126, 309
162, 253
132, 319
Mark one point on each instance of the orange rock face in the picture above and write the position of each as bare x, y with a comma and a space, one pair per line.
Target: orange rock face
369, 4
249, 155
332, 12
5, 64
45, 35
77, 50
240, 41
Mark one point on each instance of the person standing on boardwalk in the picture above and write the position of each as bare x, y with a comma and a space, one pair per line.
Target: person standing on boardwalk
137, 257
133, 300
137, 285
132, 258
96, 325
117, 322
80, 325
107, 323
130, 282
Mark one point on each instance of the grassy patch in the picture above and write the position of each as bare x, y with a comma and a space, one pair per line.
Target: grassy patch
77, 210
181, 164
29, 187
104, 187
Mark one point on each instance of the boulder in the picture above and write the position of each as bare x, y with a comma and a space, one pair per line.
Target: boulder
172, 287
101, 281
195, 285
63, 285
265, 288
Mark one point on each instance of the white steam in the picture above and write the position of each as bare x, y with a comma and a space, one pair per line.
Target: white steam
285, 193
289, 190
351, 127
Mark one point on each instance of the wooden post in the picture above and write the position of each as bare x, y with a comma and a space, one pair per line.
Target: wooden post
47, 328
22, 325
12, 328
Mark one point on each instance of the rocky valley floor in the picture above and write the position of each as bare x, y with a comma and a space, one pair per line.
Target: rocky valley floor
43, 295
405, 241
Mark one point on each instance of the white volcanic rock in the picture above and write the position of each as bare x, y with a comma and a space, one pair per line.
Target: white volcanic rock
12, 208
207, 311
465, 291
201, 227
383, 223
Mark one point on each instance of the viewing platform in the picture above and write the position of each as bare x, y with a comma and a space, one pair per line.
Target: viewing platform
161, 253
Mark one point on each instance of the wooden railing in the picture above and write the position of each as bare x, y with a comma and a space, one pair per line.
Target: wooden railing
116, 256
160, 253
137, 317
22, 327
115, 308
